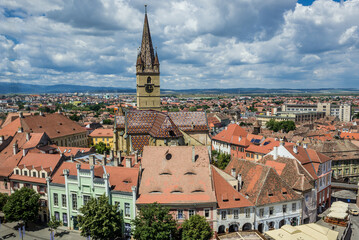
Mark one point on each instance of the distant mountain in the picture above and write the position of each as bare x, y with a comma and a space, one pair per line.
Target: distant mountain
10, 88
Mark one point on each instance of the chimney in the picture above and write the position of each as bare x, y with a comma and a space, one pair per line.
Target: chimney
41, 113
111, 155
20, 130
24, 151
295, 149
239, 178
116, 162
128, 162
92, 160
15, 148
305, 145
1, 139
28, 136
21, 115
281, 143
275, 155
193, 154
136, 157
104, 160
233, 172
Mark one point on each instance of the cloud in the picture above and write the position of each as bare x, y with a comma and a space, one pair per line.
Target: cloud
201, 44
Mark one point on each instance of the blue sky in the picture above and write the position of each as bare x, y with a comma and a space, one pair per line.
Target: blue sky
201, 44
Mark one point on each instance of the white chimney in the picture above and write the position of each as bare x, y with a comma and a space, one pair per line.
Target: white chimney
15, 148
1, 139
295, 149
21, 115
104, 161
275, 151
20, 130
193, 154
128, 162
116, 162
233, 172
24, 151
305, 145
28, 136
239, 178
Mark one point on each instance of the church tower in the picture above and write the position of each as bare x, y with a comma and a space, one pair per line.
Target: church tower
147, 73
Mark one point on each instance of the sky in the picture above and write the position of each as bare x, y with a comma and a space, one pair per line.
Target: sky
200, 44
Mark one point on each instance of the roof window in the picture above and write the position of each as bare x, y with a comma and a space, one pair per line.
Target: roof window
168, 156
165, 173
270, 194
155, 191
176, 191
190, 173
197, 191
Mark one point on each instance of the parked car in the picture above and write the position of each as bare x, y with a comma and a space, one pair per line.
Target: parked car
354, 212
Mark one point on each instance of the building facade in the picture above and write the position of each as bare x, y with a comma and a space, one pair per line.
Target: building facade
75, 184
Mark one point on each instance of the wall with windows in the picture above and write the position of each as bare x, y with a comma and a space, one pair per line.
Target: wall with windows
273, 216
67, 199
235, 219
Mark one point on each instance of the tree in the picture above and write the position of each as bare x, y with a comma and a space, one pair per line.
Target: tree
154, 222
101, 148
22, 205
100, 219
75, 118
222, 160
107, 121
3, 199
196, 228
54, 224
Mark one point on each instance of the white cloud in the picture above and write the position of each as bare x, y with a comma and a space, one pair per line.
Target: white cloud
201, 44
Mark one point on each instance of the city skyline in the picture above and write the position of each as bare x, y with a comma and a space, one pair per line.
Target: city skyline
202, 44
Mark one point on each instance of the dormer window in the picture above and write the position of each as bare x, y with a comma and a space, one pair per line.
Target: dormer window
168, 156
190, 173
43, 175
149, 80
25, 173
155, 191
17, 172
165, 173
34, 174
197, 191
270, 194
176, 191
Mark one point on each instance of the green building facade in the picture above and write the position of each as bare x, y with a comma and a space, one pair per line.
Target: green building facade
70, 189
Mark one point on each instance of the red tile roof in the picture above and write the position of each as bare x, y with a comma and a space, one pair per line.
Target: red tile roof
11, 128
261, 183
171, 177
101, 132
227, 196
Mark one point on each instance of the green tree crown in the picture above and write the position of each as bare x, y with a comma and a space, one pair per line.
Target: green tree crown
196, 228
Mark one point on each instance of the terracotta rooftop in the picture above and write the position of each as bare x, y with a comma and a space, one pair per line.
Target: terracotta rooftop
175, 175
101, 132
262, 184
227, 196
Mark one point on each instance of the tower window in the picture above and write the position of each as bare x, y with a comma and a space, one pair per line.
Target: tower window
149, 80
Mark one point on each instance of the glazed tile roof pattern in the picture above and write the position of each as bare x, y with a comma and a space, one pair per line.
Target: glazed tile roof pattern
261, 183
227, 196
120, 121
163, 127
140, 122
139, 141
171, 177
190, 121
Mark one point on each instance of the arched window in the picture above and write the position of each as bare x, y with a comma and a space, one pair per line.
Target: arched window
149, 80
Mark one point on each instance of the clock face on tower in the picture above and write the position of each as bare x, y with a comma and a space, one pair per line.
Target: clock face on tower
149, 88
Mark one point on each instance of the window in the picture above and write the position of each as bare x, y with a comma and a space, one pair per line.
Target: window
86, 199
64, 219
15, 185
261, 212
235, 214
34, 174
63, 199
149, 80
346, 170
5, 185
180, 214
25, 173
127, 210
17, 172
355, 170
271, 211
42, 189
206, 213
248, 213
56, 199
294, 207
74, 201
191, 212
224, 215
284, 208
43, 175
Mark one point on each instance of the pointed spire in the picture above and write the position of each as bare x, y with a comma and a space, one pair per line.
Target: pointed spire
147, 53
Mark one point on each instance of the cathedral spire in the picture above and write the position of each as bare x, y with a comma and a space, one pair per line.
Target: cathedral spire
147, 54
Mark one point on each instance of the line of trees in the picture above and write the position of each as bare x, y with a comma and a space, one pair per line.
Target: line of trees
276, 126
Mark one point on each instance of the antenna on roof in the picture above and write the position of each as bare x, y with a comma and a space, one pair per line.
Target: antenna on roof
145, 8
